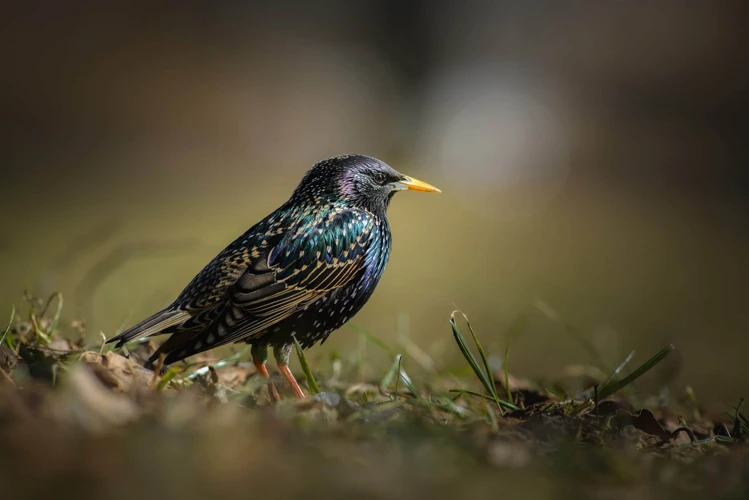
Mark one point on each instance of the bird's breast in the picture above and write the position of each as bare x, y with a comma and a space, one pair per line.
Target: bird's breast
316, 321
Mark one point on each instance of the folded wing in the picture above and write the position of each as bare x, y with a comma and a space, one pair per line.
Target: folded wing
307, 263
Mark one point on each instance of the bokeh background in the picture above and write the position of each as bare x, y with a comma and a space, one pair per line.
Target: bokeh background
592, 155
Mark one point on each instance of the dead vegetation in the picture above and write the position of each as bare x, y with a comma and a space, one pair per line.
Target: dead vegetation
81, 421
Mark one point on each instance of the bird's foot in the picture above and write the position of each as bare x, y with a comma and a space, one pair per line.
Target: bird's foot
263, 370
292, 381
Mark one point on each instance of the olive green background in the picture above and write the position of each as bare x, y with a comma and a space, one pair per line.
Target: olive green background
591, 155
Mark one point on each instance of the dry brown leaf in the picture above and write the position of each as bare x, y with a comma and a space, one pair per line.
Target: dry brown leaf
643, 420
118, 372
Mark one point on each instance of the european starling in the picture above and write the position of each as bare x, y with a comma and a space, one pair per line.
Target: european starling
301, 272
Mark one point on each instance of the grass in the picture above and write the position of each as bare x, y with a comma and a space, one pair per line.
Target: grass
485, 375
10, 343
311, 382
613, 386
88, 422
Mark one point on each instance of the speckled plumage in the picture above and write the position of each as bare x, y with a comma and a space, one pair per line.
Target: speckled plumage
301, 272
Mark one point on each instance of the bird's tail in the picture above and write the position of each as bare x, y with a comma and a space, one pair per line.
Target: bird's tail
152, 325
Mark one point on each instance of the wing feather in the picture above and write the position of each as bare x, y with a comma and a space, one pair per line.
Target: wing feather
160, 321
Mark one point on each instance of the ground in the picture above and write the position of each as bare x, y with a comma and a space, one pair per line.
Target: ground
82, 421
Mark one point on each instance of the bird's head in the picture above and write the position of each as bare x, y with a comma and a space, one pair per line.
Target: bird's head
359, 180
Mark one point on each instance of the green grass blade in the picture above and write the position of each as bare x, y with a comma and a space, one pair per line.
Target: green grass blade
169, 375
506, 371
444, 404
492, 418
397, 373
744, 419
618, 370
408, 382
472, 393
611, 378
463, 346
449, 405
58, 313
739, 419
11, 343
644, 368
391, 373
484, 359
465, 351
502, 402
311, 382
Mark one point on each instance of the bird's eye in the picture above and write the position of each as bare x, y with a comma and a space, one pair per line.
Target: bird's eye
379, 178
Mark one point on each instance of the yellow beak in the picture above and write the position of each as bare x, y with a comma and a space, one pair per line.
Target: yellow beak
415, 185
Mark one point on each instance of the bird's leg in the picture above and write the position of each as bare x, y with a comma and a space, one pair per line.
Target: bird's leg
282, 355
259, 357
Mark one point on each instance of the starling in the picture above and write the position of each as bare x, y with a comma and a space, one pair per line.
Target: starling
300, 273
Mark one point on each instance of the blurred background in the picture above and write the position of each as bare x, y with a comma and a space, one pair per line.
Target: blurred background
592, 155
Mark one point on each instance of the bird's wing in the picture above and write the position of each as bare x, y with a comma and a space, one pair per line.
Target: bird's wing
308, 262
203, 298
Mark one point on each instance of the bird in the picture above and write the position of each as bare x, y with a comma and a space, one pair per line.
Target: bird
299, 274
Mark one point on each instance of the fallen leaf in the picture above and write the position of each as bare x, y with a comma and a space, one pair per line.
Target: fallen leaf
643, 420
123, 374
